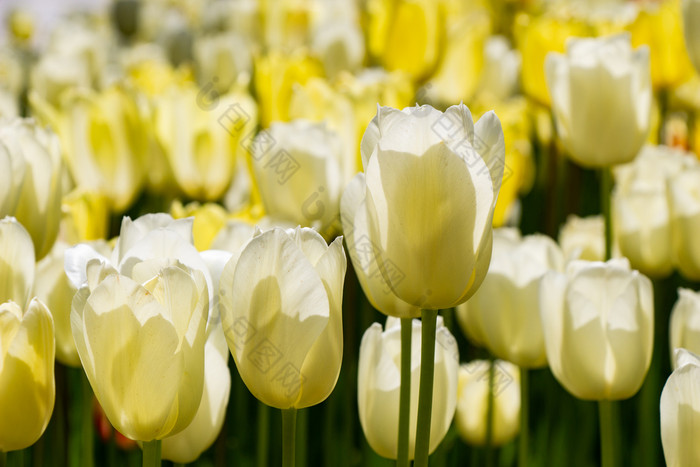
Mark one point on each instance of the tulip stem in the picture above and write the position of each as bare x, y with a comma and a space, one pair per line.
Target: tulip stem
405, 392
524, 417
289, 428
87, 442
490, 461
605, 188
425, 391
607, 441
151, 453
263, 433
3, 459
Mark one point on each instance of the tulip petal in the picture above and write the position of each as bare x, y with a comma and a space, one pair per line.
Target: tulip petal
16, 262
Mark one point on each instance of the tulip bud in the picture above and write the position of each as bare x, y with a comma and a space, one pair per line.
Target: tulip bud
507, 305
472, 402
221, 58
431, 184
281, 313
691, 21
27, 389
684, 324
598, 328
601, 99
640, 206
379, 383
680, 412
684, 201
33, 192
301, 177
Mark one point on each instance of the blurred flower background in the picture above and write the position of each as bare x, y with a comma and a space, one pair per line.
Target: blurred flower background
164, 157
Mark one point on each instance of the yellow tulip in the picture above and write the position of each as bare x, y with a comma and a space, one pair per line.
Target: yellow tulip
33, 192
601, 99
27, 390
691, 19
202, 134
406, 35
103, 140
659, 26
418, 160
379, 382
472, 402
598, 328
141, 343
275, 76
281, 312
680, 412
209, 219
85, 216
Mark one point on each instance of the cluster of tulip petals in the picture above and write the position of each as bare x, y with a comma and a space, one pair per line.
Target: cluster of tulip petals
391, 255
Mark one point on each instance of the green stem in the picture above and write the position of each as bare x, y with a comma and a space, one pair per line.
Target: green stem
3, 459
425, 391
524, 417
490, 458
607, 441
263, 433
87, 434
151, 453
301, 438
289, 425
605, 188
405, 392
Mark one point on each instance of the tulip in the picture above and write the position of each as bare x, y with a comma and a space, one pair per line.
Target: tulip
583, 238
301, 176
27, 390
458, 73
85, 216
32, 156
640, 207
281, 314
360, 249
684, 327
659, 26
16, 262
680, 412
202, 133
406, 35
141, 343
691, 20
221, 58
431, 182
507, 305
472, 402
685, 219
339, 43
103, 140
501, 68
378, 385
55, 74
601, 99
598, 328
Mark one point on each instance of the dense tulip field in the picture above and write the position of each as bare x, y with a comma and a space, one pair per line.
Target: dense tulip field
350, 233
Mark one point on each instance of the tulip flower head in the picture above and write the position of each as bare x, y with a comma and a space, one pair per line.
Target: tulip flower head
601, 99
379, 382
281, 312
430, 184
598, 328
